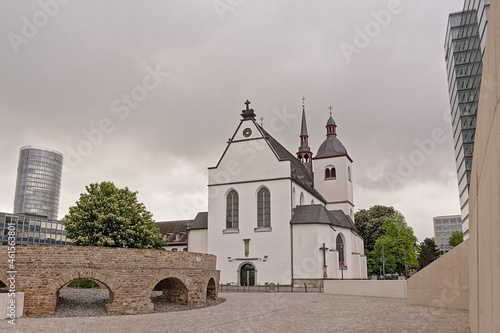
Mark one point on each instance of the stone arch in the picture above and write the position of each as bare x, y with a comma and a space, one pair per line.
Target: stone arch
241, 266
173, 289
65, 279
211, 289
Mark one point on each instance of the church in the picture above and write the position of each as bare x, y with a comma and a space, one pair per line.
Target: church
276, 217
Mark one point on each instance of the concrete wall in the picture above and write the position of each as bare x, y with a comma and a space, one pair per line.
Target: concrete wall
484, 192
444, 283
391, 289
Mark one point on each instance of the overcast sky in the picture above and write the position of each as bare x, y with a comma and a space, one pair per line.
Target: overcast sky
159, 86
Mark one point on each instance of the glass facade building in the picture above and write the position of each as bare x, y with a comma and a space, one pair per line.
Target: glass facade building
443, 227
31, 230
464, 49
38, 182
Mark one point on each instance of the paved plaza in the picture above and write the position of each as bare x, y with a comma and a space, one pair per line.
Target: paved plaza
269, 312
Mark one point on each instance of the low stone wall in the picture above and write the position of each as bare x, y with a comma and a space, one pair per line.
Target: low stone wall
371, 288
130, 274
444, 283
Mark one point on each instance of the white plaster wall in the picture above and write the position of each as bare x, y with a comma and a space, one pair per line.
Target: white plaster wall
337, 191
308, 258
197, 241
307, 196
248, 160
274, 244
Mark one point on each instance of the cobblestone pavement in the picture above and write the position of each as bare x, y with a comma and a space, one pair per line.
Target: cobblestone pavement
269, 312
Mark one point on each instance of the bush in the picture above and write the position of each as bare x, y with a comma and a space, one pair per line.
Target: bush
83, 283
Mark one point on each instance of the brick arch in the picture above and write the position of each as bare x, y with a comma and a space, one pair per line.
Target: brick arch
129, 274
211, 289
69, 276
174, 290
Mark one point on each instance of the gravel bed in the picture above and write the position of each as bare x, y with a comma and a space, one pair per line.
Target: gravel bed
75, 302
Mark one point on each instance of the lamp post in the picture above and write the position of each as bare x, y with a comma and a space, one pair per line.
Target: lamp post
406, 267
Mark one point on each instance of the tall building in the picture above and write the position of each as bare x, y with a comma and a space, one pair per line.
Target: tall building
31, 230
443, 228
464, 49
38, 182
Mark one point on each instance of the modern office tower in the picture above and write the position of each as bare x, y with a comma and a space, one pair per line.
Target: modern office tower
31, 230
443, 227
38, 182
464, 48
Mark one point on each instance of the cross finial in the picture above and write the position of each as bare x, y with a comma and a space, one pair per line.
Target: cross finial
330, 108
261, 121
303, 101
247, 103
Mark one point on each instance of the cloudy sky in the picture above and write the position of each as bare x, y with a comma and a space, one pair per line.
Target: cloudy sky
147, 93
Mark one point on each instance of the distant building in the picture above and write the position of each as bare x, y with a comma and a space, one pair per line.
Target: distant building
443, 227
464, 49
175, 233
31, 230
38, 183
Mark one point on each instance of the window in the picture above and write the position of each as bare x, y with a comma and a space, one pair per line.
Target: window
263, 208
330, 172
349, 173
340, 248
232, 210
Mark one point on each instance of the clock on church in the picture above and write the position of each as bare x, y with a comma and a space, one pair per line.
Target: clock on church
247, 132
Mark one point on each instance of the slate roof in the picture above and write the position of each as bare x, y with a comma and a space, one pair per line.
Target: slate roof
175, 227
331, 147
314, 214
200, 221
298, 170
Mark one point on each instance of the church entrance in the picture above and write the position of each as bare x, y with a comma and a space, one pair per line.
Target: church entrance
247, 275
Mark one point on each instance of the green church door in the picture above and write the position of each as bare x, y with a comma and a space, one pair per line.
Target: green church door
247, 275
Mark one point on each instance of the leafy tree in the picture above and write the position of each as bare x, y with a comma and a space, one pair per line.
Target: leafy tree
398, 238
456, 238
370, 223
108, 216
428, 253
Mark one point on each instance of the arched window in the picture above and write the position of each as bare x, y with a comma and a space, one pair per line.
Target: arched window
349, 173
293, 198
330, 172
263, 208
301, 198
340, 248
232, 210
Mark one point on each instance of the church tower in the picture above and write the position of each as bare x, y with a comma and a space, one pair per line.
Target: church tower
304, 154
333, 172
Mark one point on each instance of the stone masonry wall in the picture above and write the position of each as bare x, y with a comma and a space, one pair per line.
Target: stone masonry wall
130, 275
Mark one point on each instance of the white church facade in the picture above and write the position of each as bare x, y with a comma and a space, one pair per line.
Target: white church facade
281, 218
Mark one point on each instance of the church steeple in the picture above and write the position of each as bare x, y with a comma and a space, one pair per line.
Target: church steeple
331, 127
304, 154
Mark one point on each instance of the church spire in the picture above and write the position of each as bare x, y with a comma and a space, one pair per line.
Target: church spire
304, 154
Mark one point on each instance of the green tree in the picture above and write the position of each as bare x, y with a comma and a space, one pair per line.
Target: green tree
398, 238
428, 252
370, 223
108, 216
456, 238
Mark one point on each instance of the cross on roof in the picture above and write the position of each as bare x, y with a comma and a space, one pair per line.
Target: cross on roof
247, 103
303, 101
261, 121
330, 108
